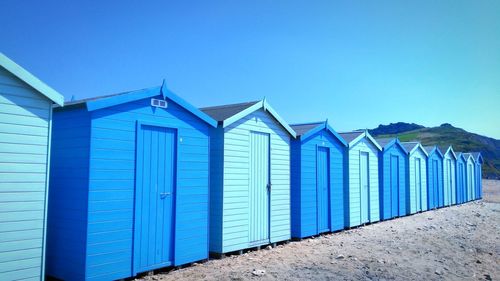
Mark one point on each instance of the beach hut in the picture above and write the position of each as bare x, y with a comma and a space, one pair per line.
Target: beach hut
362, 202
416, 176
392, 178
129, 185
25, 131
461, 178
317, 167
449, 177
435, 190
250, 177
479, 174
470, 173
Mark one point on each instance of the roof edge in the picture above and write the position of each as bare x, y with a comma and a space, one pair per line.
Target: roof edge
259, 105
322, 126
31, 80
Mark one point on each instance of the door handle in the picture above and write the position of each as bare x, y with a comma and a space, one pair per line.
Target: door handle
269, 187
164, 194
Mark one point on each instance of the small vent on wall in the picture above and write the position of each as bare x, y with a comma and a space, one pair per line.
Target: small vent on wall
159, 103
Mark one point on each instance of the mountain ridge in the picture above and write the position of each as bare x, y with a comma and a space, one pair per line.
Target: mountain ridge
444, 135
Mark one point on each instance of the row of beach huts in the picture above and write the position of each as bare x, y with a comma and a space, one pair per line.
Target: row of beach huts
109, 187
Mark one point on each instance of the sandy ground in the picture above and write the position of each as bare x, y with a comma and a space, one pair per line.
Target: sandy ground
455, 243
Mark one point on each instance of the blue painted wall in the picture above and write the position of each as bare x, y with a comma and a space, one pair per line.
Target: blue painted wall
25, 125
68, 195
479, 179
461, 179
390, 208
435, 191
93, 184
304, 183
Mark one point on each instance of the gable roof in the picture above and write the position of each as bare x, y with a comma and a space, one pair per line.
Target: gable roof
446, 150
467, 156
101, 102
478, 156
301, 129
385, 143
355, 136
460, 155
308, 129
223, 112
412, 146
230, 113
31, 80
431, 149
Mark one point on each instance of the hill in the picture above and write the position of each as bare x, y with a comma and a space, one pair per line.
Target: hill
446, 134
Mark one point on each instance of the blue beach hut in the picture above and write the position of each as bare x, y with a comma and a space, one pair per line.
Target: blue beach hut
461, 179
479, 174
25, 131
392, 177
250, 177
449, 177
129, 185
318, 156
416, 176
362, 202
470, 164
435, 190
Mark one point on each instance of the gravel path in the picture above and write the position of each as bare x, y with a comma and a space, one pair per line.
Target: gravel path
455, 243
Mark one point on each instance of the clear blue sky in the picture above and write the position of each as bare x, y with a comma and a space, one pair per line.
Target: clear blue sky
357, 63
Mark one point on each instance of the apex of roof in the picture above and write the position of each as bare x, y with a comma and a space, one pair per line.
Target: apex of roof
223, 112
350, 136
100, 102
230, 113
301, 129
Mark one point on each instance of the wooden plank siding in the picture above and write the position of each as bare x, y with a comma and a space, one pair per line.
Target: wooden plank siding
109, 220
386, 200
230, 204
25, 125
304, 185
435, 182
449, 177
67, 212
411, 195
471, 179
353, 196
479, 179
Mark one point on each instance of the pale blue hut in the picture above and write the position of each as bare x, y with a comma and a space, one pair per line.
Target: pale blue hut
362, 188
470, 164
416, 175
449, 177
250, 177
25, 132
318, 156
479, 174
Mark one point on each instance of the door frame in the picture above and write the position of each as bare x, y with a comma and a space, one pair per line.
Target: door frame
329, 192
269, 188
361, 152
138, 158
391, 157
